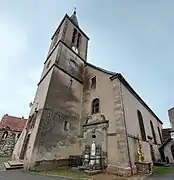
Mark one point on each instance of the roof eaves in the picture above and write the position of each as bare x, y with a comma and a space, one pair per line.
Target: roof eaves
100, 69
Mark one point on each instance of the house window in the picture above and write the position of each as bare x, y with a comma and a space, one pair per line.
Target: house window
78, 40
93, 83
5, 135
66, 125
153, 132
159, 132
95, 106
74, 36
141, 124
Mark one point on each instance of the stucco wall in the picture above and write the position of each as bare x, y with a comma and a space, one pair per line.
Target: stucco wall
18, 145
131, 105
63, 103
167, 151
40, 99
104, 92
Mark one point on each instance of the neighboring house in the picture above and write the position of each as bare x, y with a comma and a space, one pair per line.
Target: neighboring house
10, 130
166, 133
167, 148
81, 109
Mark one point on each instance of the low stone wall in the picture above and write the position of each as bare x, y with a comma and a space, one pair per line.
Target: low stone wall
49, 164
7, 145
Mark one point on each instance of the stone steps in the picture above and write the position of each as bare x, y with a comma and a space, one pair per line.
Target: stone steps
13, 165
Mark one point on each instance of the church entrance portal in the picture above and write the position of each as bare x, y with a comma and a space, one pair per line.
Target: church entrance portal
95, 143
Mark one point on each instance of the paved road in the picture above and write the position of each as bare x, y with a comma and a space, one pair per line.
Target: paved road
166, 177
21, 175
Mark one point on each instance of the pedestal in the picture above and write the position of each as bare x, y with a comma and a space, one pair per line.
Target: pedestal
144, 167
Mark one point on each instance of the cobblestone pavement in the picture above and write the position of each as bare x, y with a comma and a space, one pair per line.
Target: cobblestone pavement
166, 177
21, 175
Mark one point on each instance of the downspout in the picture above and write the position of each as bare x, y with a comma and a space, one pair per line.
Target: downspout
128, 149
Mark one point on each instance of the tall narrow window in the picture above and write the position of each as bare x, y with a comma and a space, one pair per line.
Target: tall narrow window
93, 83
141, 124
159, 132
66, 125
153, 132
78, 40
5, 135
71, 81
95, 106
74, 35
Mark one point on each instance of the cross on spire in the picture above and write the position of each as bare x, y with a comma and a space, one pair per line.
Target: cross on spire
74, 10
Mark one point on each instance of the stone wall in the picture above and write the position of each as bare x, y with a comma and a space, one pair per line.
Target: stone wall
7, 144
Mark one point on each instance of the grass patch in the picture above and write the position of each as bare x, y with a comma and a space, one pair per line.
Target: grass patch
65, 172
160, 170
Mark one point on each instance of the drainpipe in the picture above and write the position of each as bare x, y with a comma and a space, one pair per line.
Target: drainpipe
128, 149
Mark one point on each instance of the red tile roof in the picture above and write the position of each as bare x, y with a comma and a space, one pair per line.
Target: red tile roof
14, 123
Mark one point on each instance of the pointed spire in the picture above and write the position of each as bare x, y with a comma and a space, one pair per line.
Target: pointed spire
74, 17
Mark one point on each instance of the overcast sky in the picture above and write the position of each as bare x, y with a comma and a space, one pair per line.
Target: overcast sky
129, 36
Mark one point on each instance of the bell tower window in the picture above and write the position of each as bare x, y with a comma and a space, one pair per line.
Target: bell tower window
74, 36
78, 40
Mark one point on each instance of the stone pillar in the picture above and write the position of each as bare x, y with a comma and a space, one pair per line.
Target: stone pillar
121, 165
105, 148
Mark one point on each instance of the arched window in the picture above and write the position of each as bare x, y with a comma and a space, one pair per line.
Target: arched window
153, 132
172, 150
159, 132
95, 106
5, 135
141, 124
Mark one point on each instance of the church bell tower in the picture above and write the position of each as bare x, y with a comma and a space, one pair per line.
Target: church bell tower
57, 105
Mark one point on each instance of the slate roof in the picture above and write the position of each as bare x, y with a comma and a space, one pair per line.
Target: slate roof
166, 133
74, 18
166, 136
14, 123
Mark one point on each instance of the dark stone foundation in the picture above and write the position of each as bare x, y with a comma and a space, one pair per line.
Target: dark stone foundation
121, 171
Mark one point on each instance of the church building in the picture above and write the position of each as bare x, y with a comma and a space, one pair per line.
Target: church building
83, 110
